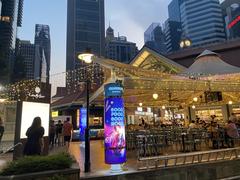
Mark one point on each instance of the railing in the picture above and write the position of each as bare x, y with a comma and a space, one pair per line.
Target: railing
11, 148
188, 158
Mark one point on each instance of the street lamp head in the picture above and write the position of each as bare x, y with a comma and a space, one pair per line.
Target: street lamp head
86, 57
193, 106
163, 107
230, 102
140, 104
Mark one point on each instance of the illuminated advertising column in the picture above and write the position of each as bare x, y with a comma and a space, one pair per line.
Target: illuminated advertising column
82, 123
114, 127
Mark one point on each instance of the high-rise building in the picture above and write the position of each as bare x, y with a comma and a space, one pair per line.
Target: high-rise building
10, 19
43, 42
118, 48
85, 30
0, 7
27, 53
202, 21
231, 14
173, 32
174, 10
149, 33
154, 38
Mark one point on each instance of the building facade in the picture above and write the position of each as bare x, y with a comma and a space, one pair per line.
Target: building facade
149, 33
173, 32
118, 48
174, 13
202, 21
154, 38
231, 14
43, 49
27, 52
0, 7
11, 18
85, 30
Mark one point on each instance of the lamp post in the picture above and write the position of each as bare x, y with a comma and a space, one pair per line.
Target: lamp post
87, 58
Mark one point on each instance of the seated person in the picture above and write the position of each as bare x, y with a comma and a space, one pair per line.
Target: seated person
192, 125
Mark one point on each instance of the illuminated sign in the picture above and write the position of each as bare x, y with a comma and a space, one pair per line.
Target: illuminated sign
114, 131
113, 90
234, 22
82, 123
54, 113
30, 110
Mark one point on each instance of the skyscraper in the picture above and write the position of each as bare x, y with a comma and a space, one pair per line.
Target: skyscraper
118, 48
27, 52
85, 29
174, 10
0, 7
202, 21
173, 32
154, 38
231, 12
43, 42
11, 18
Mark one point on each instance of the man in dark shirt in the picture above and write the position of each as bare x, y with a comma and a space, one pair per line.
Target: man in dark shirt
59, 127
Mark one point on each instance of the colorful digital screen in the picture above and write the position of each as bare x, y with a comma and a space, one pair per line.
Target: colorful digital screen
82, 123
114, 131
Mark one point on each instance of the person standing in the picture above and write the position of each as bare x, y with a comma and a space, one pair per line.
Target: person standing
1, 129
34, 144
231, 133
52, 130
67, 132
59, 127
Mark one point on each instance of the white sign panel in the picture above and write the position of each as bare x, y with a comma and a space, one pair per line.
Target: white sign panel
30, 110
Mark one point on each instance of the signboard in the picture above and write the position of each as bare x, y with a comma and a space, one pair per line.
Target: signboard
113, 90
54, 114
234, 22
82, 123
114, 131
30, 110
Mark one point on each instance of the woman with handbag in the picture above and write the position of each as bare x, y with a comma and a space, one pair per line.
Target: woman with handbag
35, 132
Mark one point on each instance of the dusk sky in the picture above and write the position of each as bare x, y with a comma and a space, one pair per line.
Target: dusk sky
128, 17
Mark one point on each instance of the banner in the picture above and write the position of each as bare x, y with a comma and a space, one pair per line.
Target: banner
82, 123
114, 131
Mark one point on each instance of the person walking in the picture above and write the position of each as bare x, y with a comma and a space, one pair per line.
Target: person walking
34, 144
67, 132
1, 129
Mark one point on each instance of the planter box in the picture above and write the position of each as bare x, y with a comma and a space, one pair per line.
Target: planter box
68, 174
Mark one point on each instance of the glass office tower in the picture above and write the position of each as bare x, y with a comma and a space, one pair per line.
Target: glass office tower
85, 30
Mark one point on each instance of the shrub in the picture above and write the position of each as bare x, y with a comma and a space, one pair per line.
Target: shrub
32, 164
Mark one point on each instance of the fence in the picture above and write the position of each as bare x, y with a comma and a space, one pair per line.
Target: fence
188, 158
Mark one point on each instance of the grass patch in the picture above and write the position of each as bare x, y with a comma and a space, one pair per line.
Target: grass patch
30, 164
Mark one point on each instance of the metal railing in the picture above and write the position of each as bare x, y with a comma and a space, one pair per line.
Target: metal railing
11, 148
187, 158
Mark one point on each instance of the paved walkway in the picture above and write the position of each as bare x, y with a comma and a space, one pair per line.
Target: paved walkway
98, 166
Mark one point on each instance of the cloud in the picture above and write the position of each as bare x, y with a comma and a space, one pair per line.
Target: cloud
131, 18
